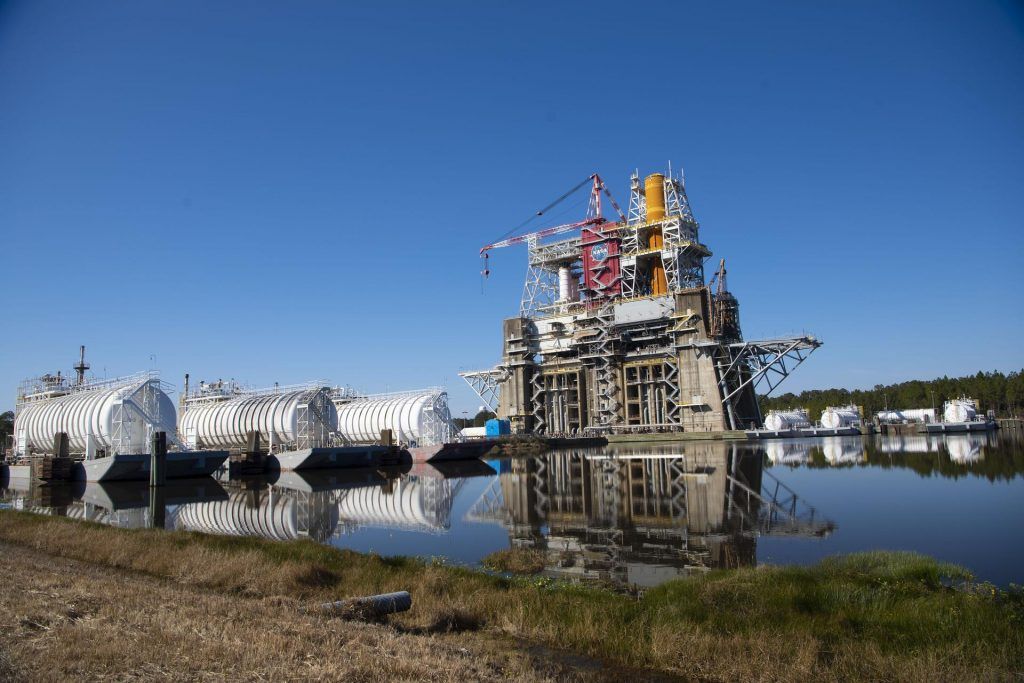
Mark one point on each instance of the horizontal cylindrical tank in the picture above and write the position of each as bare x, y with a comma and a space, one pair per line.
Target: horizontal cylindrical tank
910, 415
276, 416
839, 417
135, 410
959, 410
779, 420
413, 418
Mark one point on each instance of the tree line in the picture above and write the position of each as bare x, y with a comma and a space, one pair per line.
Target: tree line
1003, 393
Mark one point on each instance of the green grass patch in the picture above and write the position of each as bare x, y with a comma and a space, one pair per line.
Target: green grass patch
872, 615
516, 561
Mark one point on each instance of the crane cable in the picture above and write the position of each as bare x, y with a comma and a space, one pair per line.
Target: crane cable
546, 208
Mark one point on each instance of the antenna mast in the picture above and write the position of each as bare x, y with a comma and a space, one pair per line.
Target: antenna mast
82, 366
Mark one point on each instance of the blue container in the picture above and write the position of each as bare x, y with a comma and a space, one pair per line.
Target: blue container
496, 427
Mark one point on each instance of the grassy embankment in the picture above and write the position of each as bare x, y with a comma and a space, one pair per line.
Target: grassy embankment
873, 615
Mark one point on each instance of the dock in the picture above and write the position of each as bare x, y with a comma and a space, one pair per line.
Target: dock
658, 437
807, 432
954, 427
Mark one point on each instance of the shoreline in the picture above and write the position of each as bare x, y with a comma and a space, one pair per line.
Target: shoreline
871, 615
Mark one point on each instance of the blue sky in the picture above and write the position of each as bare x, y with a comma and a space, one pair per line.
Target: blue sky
287, 191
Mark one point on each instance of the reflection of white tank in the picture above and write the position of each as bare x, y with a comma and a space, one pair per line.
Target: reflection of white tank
964, 448
413, 503
273, 514
911, 415
960, 410
787, 452
842, 450
300, 419
421, 418
780, 420
907, 443
117, 415
840, 417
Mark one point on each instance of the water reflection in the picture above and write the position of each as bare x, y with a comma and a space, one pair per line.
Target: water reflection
626, 514
637, 517
947, 452
120, 504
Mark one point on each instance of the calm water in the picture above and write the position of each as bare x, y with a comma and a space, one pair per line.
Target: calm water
631, 514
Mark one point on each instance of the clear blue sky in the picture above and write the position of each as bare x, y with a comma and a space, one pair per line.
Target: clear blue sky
291, 190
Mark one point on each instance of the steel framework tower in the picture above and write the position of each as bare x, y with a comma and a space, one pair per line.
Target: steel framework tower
618, 331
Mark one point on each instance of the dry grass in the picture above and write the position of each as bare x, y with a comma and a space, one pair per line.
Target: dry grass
873, 616
516, 561
73, 620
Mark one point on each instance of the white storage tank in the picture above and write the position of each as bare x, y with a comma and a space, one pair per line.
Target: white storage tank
116, 416
474, 432
960, 410
911, 415
418, 418
780, 420
285, 419
840, 417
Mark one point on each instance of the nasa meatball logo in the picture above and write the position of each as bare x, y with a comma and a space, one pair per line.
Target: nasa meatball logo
599, 252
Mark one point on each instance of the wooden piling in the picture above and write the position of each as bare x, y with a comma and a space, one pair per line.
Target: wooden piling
158, 460
61, 445
157, 507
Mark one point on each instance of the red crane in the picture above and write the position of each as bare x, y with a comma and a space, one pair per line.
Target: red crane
594, 217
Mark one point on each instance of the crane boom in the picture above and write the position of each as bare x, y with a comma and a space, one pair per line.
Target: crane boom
546, 232
594, 217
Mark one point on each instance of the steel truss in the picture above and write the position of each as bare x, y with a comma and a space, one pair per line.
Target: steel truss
755, 363
437, 422
777, 509
487, 384
141, 401
538, 400
312, 428
603, 356
670, 377
682, 255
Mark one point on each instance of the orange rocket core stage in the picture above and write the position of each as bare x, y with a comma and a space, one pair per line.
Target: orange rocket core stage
654, 191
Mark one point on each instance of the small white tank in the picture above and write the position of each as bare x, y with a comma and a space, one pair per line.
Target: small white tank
780, 420
911, 415
960, 410
840, 417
